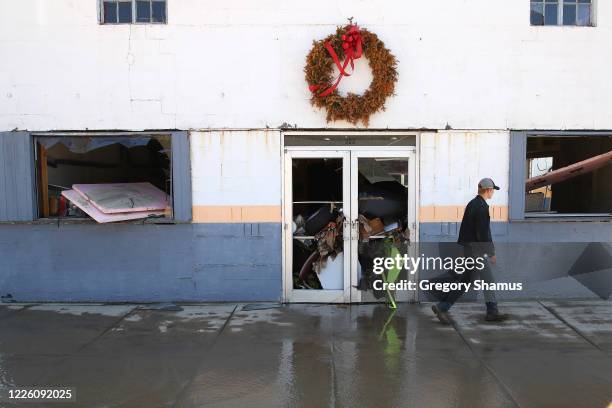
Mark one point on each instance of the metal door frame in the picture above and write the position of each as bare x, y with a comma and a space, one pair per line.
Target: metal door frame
352, 152
410, 155
323, 295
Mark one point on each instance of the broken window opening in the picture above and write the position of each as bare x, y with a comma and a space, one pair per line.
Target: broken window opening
568, 176
321, 218
318, 216
107, 178
383, 219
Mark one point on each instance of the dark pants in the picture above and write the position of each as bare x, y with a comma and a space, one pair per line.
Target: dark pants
448, 300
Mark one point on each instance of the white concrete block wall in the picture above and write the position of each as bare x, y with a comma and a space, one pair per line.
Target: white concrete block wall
452, 163
474, 64
236, 175
235, 171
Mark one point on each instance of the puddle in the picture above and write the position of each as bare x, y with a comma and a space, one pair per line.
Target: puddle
79, 310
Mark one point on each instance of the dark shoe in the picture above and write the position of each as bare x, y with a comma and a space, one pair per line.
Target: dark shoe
496, 317
442, 315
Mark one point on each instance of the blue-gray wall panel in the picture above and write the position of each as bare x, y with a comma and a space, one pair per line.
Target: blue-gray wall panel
181, 176
128, 262
516, 189
525, 231
551, 259
225, 262
16, 177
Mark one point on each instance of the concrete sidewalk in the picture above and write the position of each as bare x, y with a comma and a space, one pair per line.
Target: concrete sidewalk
550, 354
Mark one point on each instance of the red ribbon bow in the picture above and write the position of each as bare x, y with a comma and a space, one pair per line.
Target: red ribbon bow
353, 49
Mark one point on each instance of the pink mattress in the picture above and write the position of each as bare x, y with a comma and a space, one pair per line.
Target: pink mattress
85, 205
123, 197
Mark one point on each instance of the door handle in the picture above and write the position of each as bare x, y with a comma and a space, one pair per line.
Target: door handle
346, 231
355, 230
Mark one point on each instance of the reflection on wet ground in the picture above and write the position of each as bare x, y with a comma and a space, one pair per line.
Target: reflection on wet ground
227, 355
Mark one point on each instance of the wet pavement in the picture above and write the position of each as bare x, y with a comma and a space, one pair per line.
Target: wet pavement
550, 354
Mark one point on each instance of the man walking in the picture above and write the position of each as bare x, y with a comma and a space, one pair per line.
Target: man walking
475, 238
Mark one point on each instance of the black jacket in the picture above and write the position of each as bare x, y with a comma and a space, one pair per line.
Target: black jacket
475, 231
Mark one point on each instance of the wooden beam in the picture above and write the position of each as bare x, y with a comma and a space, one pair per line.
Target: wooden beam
568, 172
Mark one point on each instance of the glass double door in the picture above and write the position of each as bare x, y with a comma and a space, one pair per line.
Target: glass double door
344, 211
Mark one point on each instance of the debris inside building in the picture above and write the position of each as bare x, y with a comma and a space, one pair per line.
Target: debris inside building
108, 179
320, 222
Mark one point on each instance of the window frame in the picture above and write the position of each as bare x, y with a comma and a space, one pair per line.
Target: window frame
560, 10
180, 171
518, 175
134, 17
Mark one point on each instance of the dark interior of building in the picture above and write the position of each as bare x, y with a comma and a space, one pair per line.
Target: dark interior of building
587, 193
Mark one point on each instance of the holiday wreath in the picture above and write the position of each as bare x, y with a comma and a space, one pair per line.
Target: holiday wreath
350, 43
